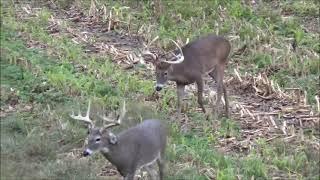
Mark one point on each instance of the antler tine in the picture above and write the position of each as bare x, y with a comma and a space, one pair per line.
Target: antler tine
83, 118
88, 110
147, 51
180, 57
105, 118
123, 112
118, 121
154, 39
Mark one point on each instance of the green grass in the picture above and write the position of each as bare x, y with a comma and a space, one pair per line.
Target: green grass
269, 30
35, 143
302, 8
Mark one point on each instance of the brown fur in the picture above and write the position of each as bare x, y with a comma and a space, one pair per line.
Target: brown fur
206, 55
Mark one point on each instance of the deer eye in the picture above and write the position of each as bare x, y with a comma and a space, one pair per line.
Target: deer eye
97, 139
165, 73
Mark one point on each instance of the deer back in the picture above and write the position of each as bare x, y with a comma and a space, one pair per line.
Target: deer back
203, 54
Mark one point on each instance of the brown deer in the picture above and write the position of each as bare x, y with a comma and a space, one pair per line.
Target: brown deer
135, 148
186, 65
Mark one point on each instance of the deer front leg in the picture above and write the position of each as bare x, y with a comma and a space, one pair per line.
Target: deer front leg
129, 177
151, 172
217, 75
220, 88
180, 95
160, 162
200, 94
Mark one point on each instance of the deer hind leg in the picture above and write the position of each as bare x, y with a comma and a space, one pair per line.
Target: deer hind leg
200, 94
226, 106
217, 75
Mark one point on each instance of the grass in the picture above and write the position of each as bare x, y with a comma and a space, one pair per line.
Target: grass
282, 24
43, 143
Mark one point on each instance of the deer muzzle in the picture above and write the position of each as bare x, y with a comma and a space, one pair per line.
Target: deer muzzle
159, 87
87, 152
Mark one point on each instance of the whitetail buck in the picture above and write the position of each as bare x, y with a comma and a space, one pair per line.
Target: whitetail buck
135, 148
186, 65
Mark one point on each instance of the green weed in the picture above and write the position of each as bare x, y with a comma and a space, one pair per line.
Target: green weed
62, 74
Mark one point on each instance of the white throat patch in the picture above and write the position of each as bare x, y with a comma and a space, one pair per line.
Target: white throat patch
159, 85
105, 150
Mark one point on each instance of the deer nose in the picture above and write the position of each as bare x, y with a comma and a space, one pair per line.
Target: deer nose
158, 88
86, 152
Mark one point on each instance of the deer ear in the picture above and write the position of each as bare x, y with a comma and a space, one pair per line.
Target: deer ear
113, 138
103, 130
156, 63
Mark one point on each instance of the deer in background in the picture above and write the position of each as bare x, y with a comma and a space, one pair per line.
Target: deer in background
186, 65
130, 150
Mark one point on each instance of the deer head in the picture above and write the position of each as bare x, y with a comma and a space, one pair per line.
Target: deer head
164, 62
100, 138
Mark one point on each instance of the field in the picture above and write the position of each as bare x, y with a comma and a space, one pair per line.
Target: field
58, 54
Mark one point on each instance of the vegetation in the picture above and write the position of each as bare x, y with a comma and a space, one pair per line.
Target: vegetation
43, 74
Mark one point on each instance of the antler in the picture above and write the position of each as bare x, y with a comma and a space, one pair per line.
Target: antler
83, 118
147, 51
175, 60
179, 58
118, 121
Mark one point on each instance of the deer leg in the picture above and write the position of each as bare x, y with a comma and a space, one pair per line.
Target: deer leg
180, 95
218, 77
200, 94
129, 177
226, 106
161, 167
151, 172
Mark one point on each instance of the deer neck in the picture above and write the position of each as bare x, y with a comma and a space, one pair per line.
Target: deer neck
171, 74
176, 73
112, 153
118, 155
